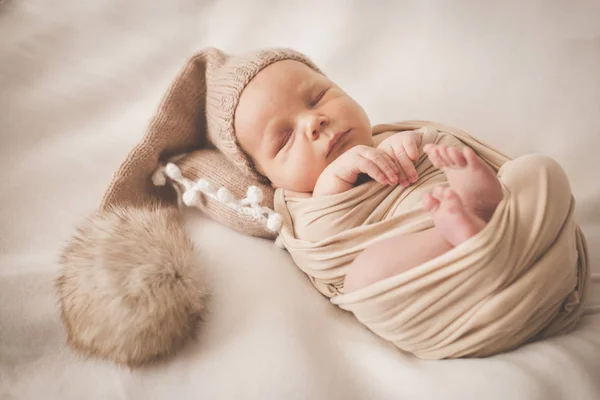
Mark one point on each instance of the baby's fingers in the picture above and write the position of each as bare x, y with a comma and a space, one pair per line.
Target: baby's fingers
411, 148
381, 167
408, 172
387, 165
368, 167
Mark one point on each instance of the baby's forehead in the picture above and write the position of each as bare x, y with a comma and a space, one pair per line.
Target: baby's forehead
274, 91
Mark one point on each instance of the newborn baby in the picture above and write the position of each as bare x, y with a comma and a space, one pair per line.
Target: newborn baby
307, 136
435, 241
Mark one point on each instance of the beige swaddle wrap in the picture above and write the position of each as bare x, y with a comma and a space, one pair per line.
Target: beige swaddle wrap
523, 277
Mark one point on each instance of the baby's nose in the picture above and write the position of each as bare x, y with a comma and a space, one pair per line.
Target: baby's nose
316, 126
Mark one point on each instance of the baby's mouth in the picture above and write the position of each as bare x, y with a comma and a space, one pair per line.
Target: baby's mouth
336, 141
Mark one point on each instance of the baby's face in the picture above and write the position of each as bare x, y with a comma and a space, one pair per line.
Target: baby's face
293, 122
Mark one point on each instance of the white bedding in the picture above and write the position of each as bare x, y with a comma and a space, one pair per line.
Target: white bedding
79, 81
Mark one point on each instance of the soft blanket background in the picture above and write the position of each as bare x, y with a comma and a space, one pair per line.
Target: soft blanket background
79, 81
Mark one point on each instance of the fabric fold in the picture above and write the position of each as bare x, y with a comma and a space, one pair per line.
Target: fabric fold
523, 277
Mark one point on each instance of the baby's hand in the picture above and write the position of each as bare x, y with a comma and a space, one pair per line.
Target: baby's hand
342, 174
403, 147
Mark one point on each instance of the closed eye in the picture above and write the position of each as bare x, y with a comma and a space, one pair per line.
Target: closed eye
285, 139
319, 97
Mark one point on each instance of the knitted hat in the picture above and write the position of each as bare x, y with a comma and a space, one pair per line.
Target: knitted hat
198, 112
130, 289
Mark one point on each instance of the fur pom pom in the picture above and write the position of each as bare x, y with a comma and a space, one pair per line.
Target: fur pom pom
130, 288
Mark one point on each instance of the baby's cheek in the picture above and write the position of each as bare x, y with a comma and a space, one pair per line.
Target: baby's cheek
307, 177
350, 109
303, 175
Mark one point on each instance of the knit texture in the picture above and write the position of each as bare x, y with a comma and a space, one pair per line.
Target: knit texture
131, 289
198, 112
200, 164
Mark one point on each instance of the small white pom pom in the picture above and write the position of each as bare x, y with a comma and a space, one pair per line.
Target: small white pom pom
173, 171
205, 185
190, 197
158, 178
255, 195
225, 196
274, 222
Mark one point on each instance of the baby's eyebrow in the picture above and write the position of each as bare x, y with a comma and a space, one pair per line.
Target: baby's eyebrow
308, 87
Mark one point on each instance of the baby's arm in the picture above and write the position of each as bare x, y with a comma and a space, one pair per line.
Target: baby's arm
341, 175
